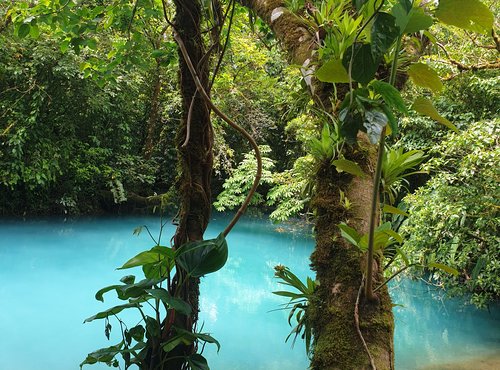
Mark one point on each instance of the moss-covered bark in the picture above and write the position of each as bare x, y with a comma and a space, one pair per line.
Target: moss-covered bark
339, 267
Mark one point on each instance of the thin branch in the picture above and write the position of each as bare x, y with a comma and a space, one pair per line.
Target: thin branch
356, 321
238, 128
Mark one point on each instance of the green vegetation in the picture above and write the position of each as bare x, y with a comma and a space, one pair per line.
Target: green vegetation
105, 106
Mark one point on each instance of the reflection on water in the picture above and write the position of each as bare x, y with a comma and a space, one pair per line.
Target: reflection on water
432, 329
51, 270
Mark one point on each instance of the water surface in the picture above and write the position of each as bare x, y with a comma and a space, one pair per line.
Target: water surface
51, 269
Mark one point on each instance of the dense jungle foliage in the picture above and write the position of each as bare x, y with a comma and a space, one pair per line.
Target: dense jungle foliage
89, 125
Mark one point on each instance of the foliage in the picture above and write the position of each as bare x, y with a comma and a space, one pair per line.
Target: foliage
395, 167
237, 186
454, 217
298, 303
150, 332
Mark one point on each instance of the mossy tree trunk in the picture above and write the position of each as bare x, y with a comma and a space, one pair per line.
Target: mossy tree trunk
339, 265
194, 143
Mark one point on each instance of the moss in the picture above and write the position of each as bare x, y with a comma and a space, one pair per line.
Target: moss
338, 267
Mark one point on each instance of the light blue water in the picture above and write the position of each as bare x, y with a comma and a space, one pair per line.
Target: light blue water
50, 271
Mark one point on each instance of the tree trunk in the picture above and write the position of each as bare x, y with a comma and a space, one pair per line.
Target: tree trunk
194, 143
339, 266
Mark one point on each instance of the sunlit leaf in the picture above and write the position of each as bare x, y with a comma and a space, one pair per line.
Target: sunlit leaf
333, 71
418, 21
424, 76
349, 167
470, 15
424, 106
390, 209
445, 268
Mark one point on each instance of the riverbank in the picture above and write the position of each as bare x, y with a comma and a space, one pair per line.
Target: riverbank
491, 362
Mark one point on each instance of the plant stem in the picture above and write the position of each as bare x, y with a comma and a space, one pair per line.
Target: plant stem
369, 293
373, 218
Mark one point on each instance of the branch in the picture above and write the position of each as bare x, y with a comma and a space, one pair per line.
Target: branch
241, 130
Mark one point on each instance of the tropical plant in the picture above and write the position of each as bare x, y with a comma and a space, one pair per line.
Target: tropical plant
298, 304
156, 299
395, 166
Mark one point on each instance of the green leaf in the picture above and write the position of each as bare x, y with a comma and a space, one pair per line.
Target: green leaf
23, 30
137, 333
176, 303
333, 71
390, 95
470, 15
349, 234
111, 311
424, 76
34, 31
383, 34
445, 268
349, 167
418, 21
158, 53
202, 257
403, 255
102, 355
198, 362
154, 255
364, 65
64, 45
424, 106
481, 262
92, 44
374, 123
390, 209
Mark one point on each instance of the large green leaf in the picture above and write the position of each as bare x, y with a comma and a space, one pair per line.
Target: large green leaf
176, 303
390, 95
424, 76
424, 106
203, 257
383, 34
333, 71
349, 234
364, 64
349, 167
198, 362
23, 30
390, 209
154, 255
470, 15
111, 311
102, 355
418, 21
443, 267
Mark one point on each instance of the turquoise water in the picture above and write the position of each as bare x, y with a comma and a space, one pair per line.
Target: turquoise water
50, 271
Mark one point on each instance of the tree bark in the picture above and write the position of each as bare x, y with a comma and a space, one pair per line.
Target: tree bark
194, 144
339, 265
